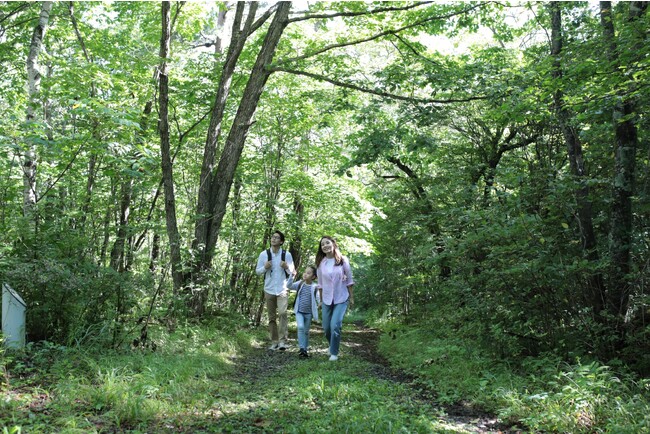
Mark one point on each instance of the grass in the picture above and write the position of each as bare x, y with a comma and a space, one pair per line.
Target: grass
208, 380
542, 394
56, 389
204, 380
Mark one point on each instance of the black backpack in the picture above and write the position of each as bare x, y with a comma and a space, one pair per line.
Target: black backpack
283, 258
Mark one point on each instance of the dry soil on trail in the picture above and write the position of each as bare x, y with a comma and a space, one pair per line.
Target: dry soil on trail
362, 343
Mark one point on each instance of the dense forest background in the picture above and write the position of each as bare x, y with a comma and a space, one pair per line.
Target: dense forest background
484, 165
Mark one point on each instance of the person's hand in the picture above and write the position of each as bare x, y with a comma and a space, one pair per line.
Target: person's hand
351, 302
267, 265
284, 265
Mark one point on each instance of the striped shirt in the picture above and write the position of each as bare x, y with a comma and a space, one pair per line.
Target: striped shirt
305, 294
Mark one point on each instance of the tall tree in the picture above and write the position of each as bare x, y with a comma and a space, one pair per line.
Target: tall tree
239, 34
625, 146
571, 134
166, 160
221, 177
34, 73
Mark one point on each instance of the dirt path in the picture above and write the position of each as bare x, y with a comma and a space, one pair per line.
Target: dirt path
360, 342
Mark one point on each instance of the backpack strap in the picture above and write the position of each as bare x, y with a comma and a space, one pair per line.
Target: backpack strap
284, 258
268, 258
283, 254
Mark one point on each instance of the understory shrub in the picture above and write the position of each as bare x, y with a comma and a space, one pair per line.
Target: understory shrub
542, 393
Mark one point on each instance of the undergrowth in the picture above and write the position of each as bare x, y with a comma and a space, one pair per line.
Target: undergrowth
51, 388
542, 394
207, 379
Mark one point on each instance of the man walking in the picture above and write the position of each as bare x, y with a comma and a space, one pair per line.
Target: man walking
276, 264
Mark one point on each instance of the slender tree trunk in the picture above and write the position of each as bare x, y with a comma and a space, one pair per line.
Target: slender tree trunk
155, 253
235, 246
34, 88
237, 41
221, 182
295, 247
106, 226
92, 162
625, 147
117, 253
119, 256
166, 161
577, 165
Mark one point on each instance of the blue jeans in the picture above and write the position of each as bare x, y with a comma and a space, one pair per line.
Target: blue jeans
303, 321
332, 323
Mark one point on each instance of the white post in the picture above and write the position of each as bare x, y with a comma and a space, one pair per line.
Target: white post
13, 318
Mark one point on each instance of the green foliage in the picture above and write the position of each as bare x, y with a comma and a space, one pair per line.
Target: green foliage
442, 364
120, 389
191, 383
463, 214
540, 393
579, 398
74, 302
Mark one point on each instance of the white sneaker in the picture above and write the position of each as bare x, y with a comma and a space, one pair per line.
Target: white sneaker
282, 346
333, 358
274, 346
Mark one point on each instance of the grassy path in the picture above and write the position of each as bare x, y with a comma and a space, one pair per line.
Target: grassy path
274, 392
202, 384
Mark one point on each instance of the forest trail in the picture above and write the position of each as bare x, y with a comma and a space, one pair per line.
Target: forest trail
361, 379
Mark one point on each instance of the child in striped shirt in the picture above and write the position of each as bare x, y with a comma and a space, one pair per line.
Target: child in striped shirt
305, 306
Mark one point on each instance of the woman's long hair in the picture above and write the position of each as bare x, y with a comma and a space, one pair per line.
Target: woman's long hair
320, 255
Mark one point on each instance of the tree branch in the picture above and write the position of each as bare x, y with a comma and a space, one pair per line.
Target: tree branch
417, 189
261, 20
63, 172
339, 83
379, 35
75, 26
357, 14
21, 7
414, 51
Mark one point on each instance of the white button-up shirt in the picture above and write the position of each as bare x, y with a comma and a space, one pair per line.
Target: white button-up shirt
275, 280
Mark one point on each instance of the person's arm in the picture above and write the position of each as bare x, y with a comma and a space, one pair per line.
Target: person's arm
347, 271
349, 280
291, 285
318, 286
262, 264
318, 294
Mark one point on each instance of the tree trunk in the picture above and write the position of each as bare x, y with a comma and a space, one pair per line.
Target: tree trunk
166, 160
106, 226
34, 87
119, 258
155, 253
92, 162
625, 147
576, 161
235, 246
295, 247
117, 253
237, 41
208, 228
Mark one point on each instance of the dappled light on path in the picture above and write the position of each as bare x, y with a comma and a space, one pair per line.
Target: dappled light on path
359, 392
